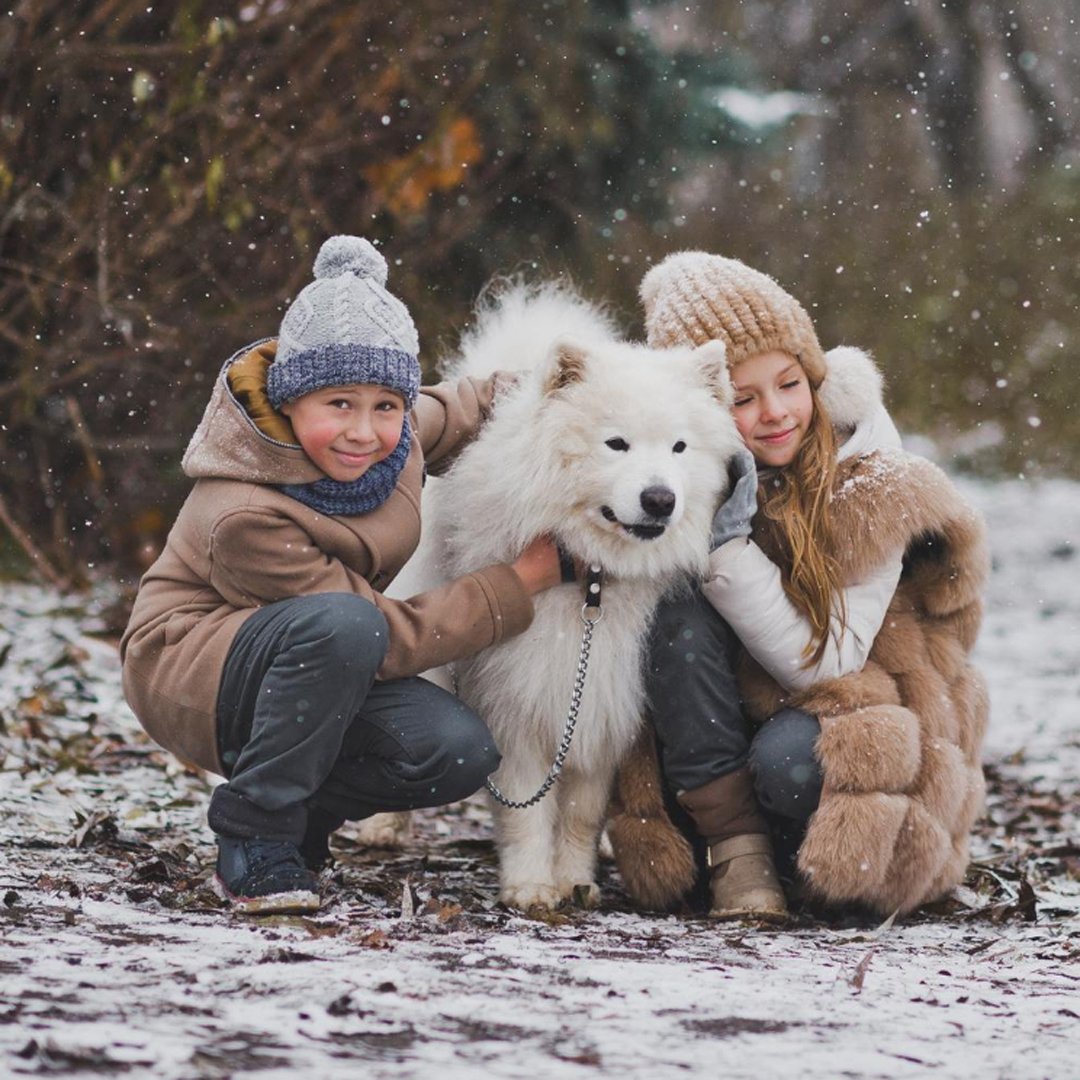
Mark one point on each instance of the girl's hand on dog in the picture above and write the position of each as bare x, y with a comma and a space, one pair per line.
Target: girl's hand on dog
538, 565
733, 518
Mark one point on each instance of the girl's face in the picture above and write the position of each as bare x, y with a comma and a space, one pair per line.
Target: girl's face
347, 429
773, 406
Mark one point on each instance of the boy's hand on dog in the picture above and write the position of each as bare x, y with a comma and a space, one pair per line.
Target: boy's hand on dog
736, 512
538, 565
503, 383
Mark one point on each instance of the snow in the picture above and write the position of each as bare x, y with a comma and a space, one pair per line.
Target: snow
762, 110
1030, 640
116, 958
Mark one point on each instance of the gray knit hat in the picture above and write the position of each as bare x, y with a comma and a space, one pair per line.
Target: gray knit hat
693, 297
345, 328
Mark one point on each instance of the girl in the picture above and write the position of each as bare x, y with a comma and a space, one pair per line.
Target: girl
260, 646
814, 698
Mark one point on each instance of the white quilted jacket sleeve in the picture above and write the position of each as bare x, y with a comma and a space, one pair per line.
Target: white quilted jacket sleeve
745, 587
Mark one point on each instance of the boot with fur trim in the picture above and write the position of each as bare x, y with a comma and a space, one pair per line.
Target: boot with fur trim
744, 881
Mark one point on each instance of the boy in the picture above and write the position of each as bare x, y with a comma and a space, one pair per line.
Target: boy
260, 646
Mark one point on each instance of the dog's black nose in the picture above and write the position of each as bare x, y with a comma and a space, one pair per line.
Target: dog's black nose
658, 501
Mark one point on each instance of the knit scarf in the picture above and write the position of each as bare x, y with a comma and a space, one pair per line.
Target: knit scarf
346, 498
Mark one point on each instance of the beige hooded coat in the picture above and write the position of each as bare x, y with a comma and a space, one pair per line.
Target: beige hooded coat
238, 543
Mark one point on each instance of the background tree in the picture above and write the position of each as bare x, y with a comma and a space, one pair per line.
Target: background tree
168, 171
923, 196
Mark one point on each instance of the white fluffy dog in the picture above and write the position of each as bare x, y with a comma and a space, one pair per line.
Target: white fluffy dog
621, 453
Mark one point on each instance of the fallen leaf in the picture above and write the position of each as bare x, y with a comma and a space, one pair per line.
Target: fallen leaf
1024, 907
340, 1006
98, 820
376, 939
447, 912
408, 901
858, 977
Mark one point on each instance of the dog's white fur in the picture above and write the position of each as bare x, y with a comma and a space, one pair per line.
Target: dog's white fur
547, 463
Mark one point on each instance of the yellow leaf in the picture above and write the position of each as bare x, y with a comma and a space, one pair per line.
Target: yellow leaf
405, 184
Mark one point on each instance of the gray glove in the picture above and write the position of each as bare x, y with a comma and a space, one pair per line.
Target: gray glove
733, 517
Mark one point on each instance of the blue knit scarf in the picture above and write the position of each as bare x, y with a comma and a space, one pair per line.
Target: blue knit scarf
346, 498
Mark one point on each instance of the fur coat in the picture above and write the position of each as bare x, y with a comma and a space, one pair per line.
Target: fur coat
900, 740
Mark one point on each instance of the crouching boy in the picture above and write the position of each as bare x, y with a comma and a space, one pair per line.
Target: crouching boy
260, 646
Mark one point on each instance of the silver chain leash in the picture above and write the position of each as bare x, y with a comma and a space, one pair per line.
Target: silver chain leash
592, 603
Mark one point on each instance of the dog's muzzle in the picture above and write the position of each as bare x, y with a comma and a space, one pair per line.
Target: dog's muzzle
658, 503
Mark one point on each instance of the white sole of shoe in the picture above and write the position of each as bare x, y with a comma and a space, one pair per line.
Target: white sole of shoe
284, 903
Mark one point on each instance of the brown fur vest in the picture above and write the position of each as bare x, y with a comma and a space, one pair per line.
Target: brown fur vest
900, 740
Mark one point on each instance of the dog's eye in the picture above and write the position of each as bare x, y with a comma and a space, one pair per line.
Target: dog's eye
679, 447
617, 444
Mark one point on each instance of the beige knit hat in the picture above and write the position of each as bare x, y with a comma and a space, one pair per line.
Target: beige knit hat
693, 297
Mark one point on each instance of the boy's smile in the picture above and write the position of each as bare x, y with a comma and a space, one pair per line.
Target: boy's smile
347, 429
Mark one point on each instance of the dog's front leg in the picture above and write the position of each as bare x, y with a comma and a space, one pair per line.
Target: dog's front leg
525, 839
583, 800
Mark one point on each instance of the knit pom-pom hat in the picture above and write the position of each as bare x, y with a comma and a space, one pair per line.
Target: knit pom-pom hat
693, 297
345, 328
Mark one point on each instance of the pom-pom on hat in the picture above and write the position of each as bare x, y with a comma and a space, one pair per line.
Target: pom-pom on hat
693, 297
345, 328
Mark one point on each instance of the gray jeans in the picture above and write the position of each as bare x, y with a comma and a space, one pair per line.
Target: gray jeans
700, 725
303, 723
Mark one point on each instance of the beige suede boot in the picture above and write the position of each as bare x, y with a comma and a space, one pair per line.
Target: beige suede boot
744, 880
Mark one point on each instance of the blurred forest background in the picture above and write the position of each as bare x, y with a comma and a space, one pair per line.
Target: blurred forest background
910, 170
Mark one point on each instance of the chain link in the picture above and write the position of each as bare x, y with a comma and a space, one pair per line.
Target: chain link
571, 716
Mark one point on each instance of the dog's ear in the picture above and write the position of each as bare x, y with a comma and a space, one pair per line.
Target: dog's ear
566, 365
711, 362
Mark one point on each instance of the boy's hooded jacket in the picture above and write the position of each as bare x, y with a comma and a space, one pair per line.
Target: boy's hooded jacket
239, 543
900, 739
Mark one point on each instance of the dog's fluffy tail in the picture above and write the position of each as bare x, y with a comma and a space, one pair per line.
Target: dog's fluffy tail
655, 860
516, 324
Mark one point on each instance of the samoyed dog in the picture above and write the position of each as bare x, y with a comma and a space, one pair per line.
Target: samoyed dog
621, 454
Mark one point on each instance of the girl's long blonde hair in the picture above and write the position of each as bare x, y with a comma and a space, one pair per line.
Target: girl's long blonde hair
796, 502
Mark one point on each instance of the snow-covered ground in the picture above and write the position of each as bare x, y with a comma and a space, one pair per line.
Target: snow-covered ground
115, 958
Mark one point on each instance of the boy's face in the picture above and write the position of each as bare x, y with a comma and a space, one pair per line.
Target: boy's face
347, 429
773, 406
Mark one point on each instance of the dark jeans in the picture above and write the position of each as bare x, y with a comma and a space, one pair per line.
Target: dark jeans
702, 731
303, 724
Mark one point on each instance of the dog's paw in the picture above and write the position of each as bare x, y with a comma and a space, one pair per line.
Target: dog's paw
582, 894
531, 896
384, 830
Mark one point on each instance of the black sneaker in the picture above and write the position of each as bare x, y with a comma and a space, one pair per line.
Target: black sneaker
260, 876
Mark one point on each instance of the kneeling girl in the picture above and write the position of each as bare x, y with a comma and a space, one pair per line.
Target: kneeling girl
814, 699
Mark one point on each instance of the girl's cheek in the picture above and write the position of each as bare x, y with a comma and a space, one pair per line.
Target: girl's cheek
744, 424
